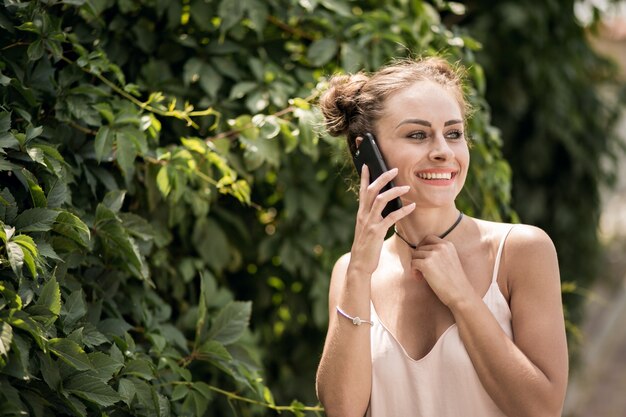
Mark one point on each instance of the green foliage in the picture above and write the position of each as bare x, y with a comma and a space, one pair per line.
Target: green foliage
159, 162
559, 130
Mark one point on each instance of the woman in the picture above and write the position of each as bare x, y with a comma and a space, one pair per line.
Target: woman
451, 315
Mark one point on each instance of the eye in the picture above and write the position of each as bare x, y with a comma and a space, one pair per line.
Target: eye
454, 134
420, 135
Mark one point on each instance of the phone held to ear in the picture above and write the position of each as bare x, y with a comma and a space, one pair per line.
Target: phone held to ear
369, 154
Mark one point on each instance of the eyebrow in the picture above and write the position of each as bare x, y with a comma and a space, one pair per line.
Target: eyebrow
427, 123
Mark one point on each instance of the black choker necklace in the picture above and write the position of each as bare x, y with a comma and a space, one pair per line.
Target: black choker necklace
441, 236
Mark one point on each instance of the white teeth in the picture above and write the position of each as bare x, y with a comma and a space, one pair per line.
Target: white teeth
435, 175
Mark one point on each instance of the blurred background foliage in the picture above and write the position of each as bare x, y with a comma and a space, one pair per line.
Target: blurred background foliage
171, 209
544, 84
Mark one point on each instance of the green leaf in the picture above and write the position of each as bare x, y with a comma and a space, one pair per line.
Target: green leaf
321, 51
16, 257
103, 144
49, 371
241, 89
195, 404
180, 392
105, 365
32, 132
163, 181
70, 226
139, 368
29, 249
126, 390
230, 12
210, 80
50, 296
213, 350
74, 308
58, 194
35, 220
6, 336
71, 353
114, 200
5, 121
117, 241
211, 242
125, 154
35, 50
231, 322
92, 389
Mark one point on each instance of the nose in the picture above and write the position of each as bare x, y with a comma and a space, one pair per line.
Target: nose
440, 150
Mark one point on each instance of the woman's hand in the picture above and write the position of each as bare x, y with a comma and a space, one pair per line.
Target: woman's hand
438, 261
371, 227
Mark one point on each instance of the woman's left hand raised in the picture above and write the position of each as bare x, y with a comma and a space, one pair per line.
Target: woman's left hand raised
438, 261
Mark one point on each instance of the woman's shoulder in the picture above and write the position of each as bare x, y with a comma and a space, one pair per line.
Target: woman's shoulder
517, 234
526, 247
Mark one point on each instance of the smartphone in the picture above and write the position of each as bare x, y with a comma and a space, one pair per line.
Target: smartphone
369, 154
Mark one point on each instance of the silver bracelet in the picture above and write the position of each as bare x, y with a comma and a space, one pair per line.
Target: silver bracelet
355, 320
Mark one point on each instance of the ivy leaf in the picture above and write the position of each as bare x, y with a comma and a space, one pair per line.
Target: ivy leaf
35, 50
71, 353
104, 142
106, 366
231, 322
321, 51
92, 389
117, 241
50, 297
37, 219
211, 242
5, 121
139, 368
6, 336
126, 390
49, 371
114, 200
16, 257
70, 226
180, 392
125, 154
230, 12
29, 250
74, 308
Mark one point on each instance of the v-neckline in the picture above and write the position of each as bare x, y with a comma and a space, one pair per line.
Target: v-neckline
439, 338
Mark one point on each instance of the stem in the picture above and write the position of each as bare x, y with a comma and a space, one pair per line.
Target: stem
183, 115
234, 396
289, 29
232, 133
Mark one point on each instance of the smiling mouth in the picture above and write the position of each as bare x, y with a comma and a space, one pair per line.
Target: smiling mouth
436, 175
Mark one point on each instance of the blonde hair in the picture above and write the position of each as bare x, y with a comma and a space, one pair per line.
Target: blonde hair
354, 102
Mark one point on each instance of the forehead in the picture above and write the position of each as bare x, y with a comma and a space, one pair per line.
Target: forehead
423, 100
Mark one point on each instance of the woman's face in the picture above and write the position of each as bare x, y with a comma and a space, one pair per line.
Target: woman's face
422, 134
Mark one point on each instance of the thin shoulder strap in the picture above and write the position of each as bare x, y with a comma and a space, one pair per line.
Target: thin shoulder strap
496, 266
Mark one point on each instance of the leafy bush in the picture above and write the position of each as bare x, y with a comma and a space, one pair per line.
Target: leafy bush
159, 163
559, 130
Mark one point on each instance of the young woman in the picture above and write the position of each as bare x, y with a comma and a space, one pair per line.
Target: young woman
451, 315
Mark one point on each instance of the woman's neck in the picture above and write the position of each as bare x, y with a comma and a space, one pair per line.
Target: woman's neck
426, 221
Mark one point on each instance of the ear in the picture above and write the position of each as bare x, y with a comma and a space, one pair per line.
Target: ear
358, 141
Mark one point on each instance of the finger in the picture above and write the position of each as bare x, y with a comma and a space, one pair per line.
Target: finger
365, 181
382, 199
383, 180
398, 215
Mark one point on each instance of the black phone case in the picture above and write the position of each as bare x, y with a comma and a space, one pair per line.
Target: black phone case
369, 154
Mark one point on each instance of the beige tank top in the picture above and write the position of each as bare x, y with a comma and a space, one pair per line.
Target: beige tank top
443, 383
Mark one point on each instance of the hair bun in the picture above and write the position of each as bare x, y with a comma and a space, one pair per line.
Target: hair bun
340, 103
